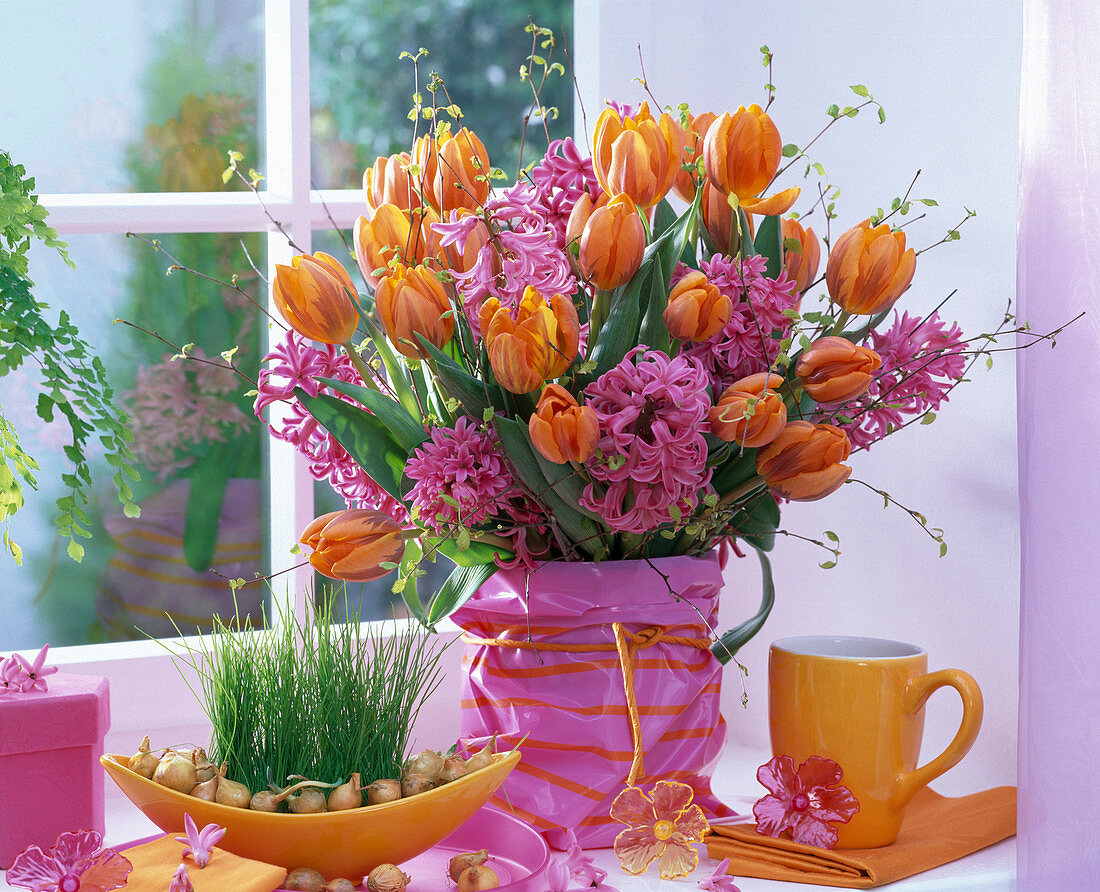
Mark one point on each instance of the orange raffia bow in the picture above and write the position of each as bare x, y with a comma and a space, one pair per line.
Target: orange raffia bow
627, 643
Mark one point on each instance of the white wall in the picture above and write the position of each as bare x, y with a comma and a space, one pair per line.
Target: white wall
947, 75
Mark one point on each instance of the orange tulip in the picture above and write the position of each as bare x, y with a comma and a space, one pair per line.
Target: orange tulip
561, 430
834, 369
394, 233
612, 243
462, 173
692, 137
741, 154
387, 181
750, 412
696, 309
869, 268
425, 156
411, 301
315, 296
804, 462
539, 344
351, 545
718, 219
636, 155
801, 265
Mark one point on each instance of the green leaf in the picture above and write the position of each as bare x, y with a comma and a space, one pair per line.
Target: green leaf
477, 553
475, 395
833, 111
406, 430
409, 591
758, 523
460, 586
732, 641
653, 332
790, 150
860, 90
769, 243
364, 436
209, 476
663, 218
395, 369
881, 115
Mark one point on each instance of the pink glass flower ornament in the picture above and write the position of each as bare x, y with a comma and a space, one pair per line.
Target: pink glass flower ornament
200, 842
806, 802
76, 863
719, 881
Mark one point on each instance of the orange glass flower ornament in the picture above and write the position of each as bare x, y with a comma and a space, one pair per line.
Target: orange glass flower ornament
636, 155
538, 344
461, 178
412, 301
394, 233
803, 463
691, 135
834, 369
696, 309
612, 243
869, 268
561, 430
661, 827
750, 412
801, 265
315, 296
352, 545
387, 181
741, 154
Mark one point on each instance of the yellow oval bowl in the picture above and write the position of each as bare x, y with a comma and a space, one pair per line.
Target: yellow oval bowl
341, 843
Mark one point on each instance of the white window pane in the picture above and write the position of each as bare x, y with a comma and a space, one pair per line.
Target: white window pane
130, 96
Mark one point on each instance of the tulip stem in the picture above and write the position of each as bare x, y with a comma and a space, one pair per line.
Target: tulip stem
841, 321
598, 314
360, 366
743, 490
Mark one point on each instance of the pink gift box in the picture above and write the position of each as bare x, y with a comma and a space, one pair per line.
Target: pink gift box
50, 777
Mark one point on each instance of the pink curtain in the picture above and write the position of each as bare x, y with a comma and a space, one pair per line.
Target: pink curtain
1058, 271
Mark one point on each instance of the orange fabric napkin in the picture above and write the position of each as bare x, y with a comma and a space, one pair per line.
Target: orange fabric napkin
936, 830
155, 862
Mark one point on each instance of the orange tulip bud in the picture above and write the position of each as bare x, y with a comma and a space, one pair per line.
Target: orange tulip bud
718, 219
801, 265
696, 309
692, 137
314, 295
636, 155
869, 268
462, 173
834, 369
539, 344
741, 154
387, 181
350, 545
612, 243
580, 215
804, 462
561, 430
411, 301
750, 412
394, 233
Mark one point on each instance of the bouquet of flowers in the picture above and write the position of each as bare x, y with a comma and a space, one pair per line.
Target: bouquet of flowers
571, 369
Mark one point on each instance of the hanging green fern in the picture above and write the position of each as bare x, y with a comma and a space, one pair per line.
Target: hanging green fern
74, 381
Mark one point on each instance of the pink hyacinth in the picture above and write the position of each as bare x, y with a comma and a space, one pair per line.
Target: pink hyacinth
560, 178
652, 455
200, 843
18, 675
297, 362
460, 475
922, 359
523, 252
750, 341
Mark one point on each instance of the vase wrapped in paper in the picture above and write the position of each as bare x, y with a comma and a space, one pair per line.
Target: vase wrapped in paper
578, 387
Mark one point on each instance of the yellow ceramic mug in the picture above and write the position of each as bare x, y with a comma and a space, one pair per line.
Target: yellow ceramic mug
860, 702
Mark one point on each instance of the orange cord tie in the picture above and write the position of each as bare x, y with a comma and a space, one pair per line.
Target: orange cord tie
627, 643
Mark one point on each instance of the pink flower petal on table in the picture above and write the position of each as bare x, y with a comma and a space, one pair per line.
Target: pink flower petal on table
633, 807
719, 880
181, 882
579, 863
678, 859
636, 849
106, 871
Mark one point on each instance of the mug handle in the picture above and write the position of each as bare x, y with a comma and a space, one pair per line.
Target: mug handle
916, 695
